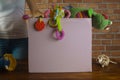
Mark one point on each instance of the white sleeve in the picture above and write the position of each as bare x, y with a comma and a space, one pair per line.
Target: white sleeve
21, 4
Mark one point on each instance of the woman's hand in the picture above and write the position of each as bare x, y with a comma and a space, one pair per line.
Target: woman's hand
33, 8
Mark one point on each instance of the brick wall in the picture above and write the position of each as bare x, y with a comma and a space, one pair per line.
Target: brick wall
107, 42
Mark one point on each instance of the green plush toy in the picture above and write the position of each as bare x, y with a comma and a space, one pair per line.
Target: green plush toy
84, 12
99, 21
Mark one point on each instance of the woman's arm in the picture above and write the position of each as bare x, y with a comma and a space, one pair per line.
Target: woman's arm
33, 8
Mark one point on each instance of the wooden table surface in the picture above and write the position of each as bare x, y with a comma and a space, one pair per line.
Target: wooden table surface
112, 72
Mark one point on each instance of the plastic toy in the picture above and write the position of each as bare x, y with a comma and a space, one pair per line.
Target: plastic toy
47, 13
56, 13
12, 60
25, 17
59, 35
52, 23
104, 60
8, 62
39, 25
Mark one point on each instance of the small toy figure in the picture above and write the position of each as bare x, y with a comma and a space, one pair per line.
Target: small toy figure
104, 60
8, 62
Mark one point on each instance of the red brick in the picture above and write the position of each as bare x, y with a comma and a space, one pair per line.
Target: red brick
102, 6
96, 42
95, 53
92, 1
108, 11
114, 17
93, 36
87, 1
114, 29
117, 59
83, 5
62, 4
54, 1
117, 36
115, 53
72, 1
111, 6
74, 5
93, 5
116, 24
110, 1
99, 1
98, 48
106, 53
113, 48
117, 11
98, 11
104, 36
115, 42
106, 42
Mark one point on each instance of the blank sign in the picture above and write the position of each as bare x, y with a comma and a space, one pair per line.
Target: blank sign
71, 54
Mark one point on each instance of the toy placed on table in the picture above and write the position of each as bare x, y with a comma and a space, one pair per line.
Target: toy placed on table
104, 60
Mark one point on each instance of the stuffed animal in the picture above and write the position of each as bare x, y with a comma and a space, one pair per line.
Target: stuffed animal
99, 21
81, 13
104, 60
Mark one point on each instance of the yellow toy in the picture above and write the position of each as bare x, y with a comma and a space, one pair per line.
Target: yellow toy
12, 60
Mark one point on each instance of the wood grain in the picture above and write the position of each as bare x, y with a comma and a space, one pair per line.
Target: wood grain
112, 72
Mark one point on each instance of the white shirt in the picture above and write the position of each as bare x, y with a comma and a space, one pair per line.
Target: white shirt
12, 26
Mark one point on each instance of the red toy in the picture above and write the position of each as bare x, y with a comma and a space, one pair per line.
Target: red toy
39, 25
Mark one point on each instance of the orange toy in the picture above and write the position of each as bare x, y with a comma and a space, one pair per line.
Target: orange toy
39, 25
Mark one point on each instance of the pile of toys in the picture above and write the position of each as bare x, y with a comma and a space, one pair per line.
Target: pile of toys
56, 13
99, 21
